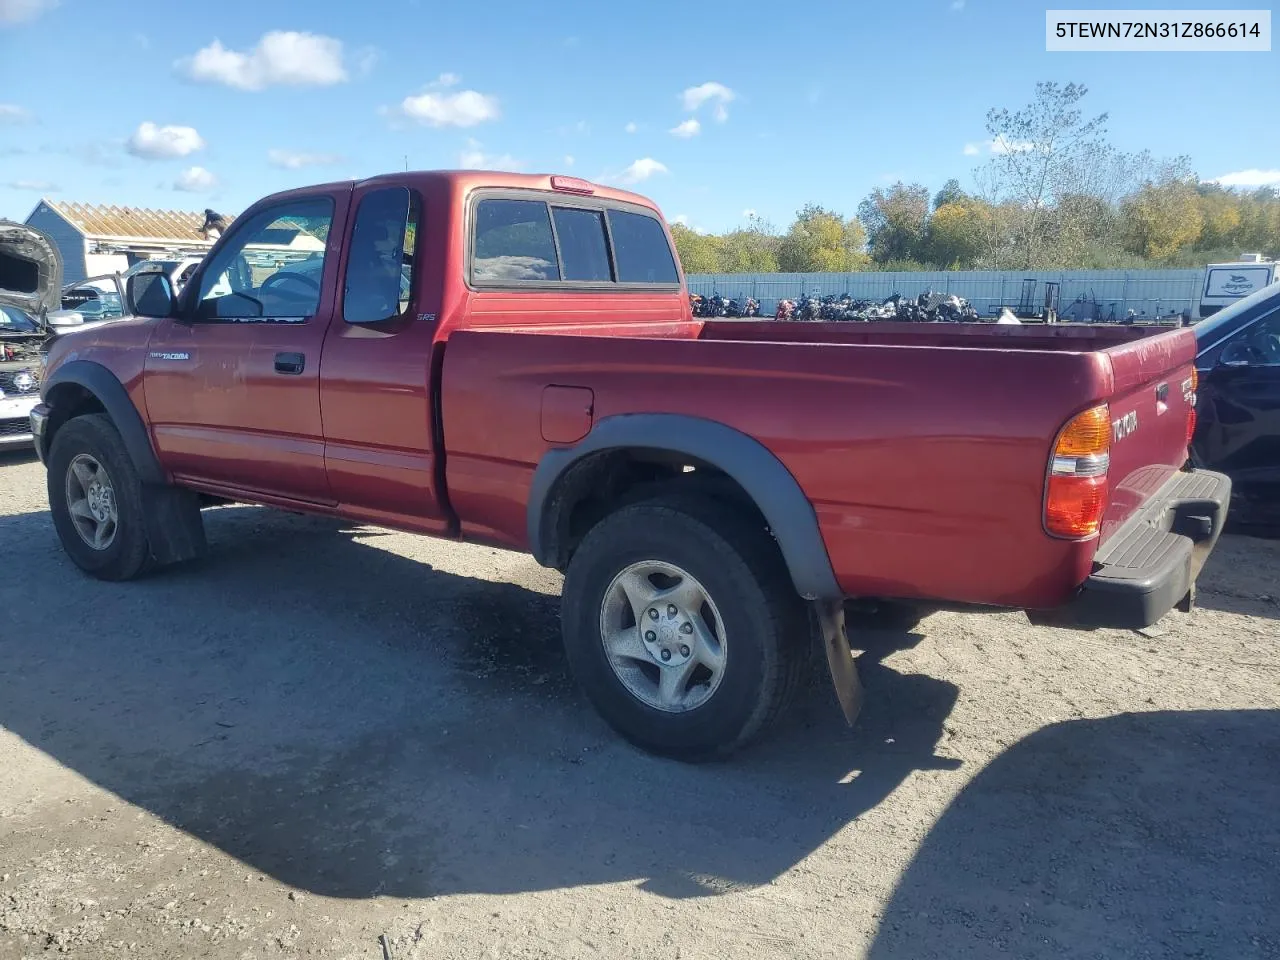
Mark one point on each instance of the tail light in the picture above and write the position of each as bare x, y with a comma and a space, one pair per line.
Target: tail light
1076, 494
1191, 405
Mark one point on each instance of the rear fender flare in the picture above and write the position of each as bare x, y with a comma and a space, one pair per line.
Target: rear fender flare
102, 384
776, 493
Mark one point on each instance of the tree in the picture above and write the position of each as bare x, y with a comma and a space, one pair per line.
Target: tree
753, 249
950, 193
956, 232
895, 221
822, 241
697, 251
1220, 211
1043, 151
1162, 218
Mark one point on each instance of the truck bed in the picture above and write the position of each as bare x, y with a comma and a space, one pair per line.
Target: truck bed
923, 451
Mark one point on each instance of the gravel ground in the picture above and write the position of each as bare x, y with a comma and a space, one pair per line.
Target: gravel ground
343, 742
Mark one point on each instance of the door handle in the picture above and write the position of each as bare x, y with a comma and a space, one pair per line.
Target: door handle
290, 362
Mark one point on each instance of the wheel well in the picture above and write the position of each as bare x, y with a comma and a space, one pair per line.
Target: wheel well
67, 401
600, 483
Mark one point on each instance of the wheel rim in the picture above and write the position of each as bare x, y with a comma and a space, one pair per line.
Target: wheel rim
663, 636
91, 501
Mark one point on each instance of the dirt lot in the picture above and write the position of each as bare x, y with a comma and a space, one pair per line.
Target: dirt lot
322, 738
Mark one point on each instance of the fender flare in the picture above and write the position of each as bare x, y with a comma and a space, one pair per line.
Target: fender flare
777, 494
110, 392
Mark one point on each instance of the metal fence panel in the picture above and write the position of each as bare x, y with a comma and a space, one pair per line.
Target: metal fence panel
1083, 294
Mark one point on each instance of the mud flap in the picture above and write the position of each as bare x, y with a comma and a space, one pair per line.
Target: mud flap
175, 528
844, 672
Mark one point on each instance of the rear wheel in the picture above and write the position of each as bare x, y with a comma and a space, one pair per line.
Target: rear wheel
95, 498
682, 626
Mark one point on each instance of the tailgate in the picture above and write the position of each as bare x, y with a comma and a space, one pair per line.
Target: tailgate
1151, 406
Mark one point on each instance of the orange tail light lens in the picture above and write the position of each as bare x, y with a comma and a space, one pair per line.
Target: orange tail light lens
1191, 405
1076, 494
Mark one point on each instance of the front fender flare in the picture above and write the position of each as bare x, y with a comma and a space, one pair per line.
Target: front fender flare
110, 392
776, 493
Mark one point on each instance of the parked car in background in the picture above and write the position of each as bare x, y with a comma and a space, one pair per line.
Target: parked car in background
1238, 418
1226, 283
178, 270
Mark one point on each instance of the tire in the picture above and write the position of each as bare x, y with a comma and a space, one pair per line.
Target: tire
79, 445
760, 623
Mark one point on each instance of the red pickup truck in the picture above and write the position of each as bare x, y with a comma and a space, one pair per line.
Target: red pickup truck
511, 359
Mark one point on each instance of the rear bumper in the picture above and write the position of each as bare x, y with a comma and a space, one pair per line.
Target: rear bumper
1150, 565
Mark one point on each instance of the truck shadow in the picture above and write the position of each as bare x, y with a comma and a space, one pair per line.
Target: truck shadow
1138, 835
354, 722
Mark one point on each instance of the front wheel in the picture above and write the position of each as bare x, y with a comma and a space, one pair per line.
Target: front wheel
95, 497
682, 626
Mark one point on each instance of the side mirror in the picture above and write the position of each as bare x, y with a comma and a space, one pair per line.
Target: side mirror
150, 295
1236, 354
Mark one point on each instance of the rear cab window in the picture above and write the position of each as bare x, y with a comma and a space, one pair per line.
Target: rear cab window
552, 241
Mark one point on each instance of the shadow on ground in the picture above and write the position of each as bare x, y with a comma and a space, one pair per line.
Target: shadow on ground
1139, 835
354, 722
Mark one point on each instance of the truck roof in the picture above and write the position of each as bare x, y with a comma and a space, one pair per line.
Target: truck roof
458, 182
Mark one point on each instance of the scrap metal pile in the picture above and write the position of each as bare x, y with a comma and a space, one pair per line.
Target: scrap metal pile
718, 306
927, 308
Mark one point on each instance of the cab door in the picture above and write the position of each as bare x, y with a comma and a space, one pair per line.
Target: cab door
375, 373
232, 382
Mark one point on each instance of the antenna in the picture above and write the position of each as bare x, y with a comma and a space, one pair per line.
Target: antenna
406, 163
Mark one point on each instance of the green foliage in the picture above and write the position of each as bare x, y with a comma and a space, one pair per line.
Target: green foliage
822, 241
1055, 194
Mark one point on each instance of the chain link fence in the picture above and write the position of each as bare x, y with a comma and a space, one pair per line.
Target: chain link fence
1082, 294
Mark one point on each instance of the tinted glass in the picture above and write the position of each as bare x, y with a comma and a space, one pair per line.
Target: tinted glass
641, 249
513, 242
380, 262
583, 250
273, 265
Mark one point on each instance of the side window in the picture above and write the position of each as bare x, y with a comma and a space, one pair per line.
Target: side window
513, 241
584, 254
641, 248
273, 266
1256, 345
380, 262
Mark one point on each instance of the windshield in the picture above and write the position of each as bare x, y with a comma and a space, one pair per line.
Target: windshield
1222, 320
13, 320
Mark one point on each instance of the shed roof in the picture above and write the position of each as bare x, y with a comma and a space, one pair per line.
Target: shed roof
100, 221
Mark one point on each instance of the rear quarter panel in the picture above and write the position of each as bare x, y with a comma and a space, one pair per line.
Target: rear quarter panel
925, 465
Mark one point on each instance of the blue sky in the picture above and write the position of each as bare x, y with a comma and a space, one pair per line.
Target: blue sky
712, 109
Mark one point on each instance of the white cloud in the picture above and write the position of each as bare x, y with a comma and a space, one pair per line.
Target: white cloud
281, 58
695, 97
39, 186
290, 160
1003, 144
466, 108
160, 143
1249, 178
957, 5
195, 180
721, 113
568, 160
690, 128
446, 80
20, 11
681, 218
642, 170
631, 127
474, 158
1000, 144
12, 113
366, 58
